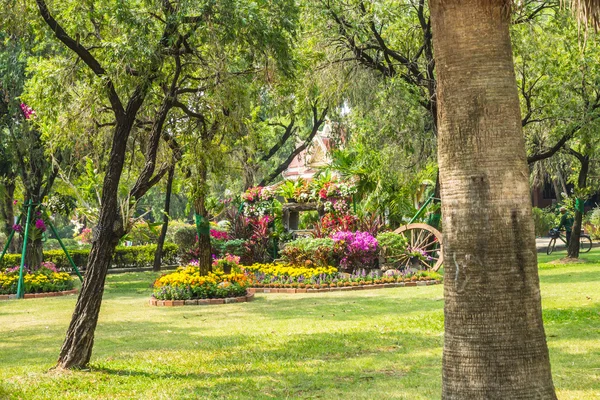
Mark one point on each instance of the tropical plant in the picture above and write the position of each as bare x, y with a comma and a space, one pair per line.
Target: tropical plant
356, 250
309, 252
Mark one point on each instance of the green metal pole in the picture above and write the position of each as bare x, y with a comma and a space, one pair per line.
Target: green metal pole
20, 286
418, 214
66, 252
10, 238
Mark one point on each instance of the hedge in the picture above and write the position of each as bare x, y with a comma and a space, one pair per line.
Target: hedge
124, 257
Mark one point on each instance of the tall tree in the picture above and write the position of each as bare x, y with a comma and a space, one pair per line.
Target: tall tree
24, 152
494, 343
77, 347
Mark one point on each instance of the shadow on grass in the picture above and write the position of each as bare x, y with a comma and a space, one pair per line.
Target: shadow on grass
304, 364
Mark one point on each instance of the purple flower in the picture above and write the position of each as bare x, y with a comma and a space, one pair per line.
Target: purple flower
40, 224
359, 249
17, 228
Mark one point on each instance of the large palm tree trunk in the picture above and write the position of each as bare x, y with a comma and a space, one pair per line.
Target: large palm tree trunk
494, 345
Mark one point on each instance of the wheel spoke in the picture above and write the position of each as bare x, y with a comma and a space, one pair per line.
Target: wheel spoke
424, 241
418, 241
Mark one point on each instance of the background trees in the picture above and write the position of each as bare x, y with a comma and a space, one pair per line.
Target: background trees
221, 95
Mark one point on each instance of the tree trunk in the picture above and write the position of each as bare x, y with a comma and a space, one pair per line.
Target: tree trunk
202, 223
573, 251
165, 226
557, 191
494, 343
35, 252
563, 185
8, 213
77, 348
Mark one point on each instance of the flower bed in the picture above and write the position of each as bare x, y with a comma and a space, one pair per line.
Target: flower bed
274, 276
187, 284
200, 302
187, 287
366, 286
45, 279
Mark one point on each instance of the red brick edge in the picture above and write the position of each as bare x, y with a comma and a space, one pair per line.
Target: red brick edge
39, 295
201, 302
344, 288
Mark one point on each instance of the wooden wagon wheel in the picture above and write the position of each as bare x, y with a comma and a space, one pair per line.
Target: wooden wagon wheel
428, 240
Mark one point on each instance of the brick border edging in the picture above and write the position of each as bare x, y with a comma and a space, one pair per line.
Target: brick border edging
345, 288
201, 302
39, 295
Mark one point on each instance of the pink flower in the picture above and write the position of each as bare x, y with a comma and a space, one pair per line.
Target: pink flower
15, 202
49, 265
40, 224
28, 112
219, 235
17, 228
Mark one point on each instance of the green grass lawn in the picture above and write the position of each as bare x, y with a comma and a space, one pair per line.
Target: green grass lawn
379, 344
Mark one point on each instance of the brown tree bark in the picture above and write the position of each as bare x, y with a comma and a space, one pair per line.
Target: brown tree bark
584, 160
165, 225
202, 223
35, 252
79, 341
494, 343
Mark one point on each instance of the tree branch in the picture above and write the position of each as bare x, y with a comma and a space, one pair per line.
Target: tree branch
84, 55
317, 122
550, 152
289, 131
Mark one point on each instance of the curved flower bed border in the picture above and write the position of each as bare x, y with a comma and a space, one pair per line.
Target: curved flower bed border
345, 288
201, 302
39, 295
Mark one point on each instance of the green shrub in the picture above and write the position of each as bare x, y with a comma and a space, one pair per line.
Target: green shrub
234, 246
124, 257
143, 233
391, 245
592, 224
70, 244
309, 252
544, 220
185, 237
174, 226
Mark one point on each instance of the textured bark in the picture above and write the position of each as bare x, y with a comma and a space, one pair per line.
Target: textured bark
494, 344
77, 348
165, 225
573, 250
204, 249
35, 253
